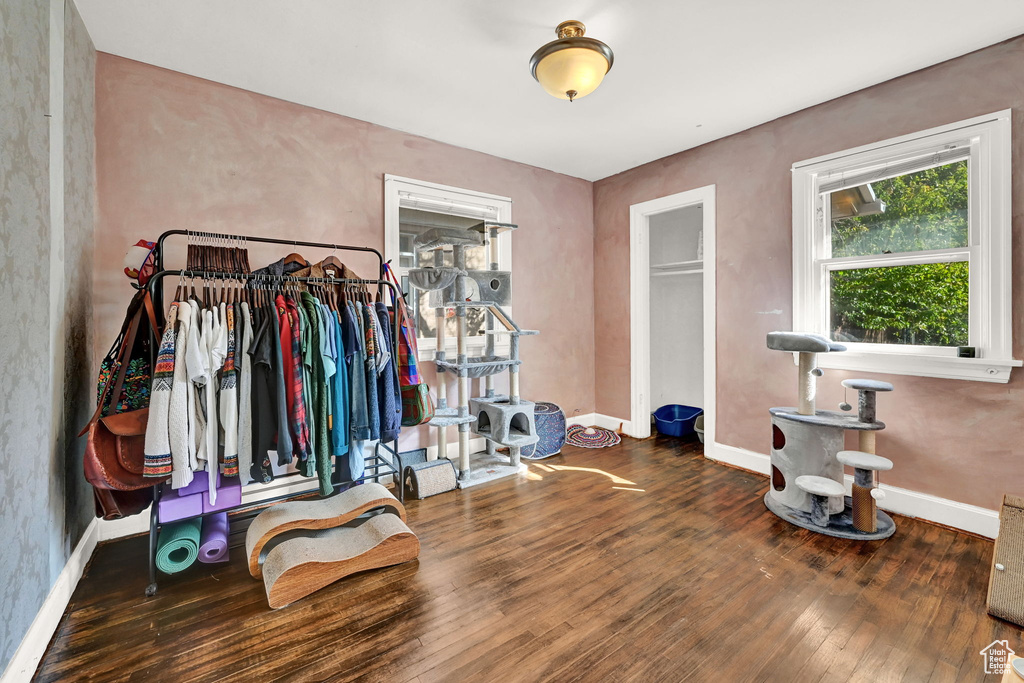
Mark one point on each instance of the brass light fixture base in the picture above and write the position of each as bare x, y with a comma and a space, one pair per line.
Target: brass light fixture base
570, 29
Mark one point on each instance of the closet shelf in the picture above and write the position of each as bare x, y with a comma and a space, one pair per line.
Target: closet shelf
664, 273
684, 266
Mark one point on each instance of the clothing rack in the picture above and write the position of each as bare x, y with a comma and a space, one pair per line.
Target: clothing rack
376, 465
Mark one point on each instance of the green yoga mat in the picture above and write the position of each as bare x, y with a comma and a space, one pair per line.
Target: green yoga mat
178, 546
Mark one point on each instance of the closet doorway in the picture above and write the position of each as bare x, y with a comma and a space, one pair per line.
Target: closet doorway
672, 307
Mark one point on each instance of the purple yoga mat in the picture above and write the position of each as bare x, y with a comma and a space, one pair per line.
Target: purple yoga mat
213, 540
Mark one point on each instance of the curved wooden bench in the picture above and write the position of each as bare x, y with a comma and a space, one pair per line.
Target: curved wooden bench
315, 514
300, 566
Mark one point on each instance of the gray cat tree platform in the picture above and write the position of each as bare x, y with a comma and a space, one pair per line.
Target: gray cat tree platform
807, 483
506, 421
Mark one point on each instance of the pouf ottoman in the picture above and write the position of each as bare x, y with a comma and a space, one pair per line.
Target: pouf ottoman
550, 421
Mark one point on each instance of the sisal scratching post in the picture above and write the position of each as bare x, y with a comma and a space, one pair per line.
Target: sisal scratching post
866, 441
865, 511
865, 516
865, 492
864, 507
808, 386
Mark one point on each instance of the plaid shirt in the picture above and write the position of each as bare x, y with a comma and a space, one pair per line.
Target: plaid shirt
291, 350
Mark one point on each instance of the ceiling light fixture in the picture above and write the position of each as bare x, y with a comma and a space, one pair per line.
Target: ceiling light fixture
572, 66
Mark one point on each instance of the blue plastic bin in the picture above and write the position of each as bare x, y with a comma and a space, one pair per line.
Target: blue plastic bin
676, 420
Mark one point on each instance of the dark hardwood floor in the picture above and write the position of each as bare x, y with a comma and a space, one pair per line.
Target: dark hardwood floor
639, 562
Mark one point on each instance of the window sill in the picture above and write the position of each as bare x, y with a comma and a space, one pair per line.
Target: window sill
919, 365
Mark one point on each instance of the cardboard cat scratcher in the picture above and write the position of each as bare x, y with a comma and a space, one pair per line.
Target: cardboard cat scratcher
299, 547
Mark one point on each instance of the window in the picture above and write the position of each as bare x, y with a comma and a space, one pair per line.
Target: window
901, 251
413, 207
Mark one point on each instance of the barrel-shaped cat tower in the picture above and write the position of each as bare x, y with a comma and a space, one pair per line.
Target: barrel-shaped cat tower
807, 484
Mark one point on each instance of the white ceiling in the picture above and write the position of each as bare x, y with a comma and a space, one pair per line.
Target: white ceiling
686, 72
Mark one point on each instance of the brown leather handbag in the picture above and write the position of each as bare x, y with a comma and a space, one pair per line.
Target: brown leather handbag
114, 454
115, 450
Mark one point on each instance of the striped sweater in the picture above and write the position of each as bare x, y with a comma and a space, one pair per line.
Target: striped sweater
157, 461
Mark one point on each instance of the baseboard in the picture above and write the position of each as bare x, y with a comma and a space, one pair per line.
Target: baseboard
33, 646
475, 446
970, 518
110, 529
586, 419
615, 424
738, 457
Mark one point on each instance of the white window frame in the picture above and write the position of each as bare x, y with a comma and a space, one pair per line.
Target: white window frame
409, 193
988, 251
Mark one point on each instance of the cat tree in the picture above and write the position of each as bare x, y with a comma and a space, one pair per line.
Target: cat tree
807, 483
502, 420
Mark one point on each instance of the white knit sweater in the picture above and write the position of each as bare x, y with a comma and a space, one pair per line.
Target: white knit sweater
157, 444
179, 422
195, 366
217, 348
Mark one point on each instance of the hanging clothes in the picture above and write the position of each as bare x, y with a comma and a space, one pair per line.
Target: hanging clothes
198, 377
359, 418
284, 439
291, 347
389, 393
229, 396
282, 366
264, 397
372, 352
180, 422
340, 395
216, 352
245, 398
318, 395
157, 449
305, 352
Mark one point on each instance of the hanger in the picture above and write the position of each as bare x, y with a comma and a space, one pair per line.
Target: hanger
181, 283
332, 263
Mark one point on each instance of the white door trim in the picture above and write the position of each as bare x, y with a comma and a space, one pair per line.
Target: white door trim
640, 306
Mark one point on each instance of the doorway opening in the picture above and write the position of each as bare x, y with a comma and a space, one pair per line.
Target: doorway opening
672, 307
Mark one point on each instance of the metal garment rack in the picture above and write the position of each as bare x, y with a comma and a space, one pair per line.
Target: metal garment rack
376, 465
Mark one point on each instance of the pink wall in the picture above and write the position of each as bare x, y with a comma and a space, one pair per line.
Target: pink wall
173, 151
955, 439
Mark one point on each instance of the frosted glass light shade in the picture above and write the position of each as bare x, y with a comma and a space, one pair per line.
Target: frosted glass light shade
576, 70
572, 66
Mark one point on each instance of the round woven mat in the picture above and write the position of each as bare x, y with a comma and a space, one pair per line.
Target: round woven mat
590, 437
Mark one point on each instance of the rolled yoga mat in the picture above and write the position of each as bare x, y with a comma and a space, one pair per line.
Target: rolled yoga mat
213, 541
178, 546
